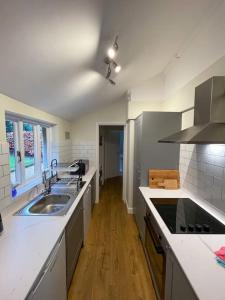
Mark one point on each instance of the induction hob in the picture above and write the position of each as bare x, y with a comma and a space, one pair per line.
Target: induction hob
184, 216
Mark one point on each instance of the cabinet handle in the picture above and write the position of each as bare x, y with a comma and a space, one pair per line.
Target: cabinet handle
54, 253
39, 282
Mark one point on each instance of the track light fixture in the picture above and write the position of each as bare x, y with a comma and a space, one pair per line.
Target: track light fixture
109, 60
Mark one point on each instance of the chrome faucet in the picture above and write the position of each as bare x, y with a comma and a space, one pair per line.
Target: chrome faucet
46, 183
54, 163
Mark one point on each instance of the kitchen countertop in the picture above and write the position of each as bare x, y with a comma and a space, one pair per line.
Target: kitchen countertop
25, 245
195, 253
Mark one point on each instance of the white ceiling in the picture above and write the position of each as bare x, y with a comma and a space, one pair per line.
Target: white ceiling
51, 50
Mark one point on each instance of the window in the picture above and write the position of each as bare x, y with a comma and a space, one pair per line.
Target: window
11, 133
44, 148
28, 149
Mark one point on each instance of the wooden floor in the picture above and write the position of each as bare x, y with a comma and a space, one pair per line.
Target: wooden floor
112, 264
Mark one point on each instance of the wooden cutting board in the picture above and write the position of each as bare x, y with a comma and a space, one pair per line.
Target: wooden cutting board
164, 179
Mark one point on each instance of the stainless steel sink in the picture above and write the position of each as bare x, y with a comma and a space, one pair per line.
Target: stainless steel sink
57, 203
50, 205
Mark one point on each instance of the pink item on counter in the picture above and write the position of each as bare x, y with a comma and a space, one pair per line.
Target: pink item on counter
221, 253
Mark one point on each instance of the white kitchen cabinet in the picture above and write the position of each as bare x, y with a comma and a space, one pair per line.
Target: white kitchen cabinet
87, 209
177, 286
51, 283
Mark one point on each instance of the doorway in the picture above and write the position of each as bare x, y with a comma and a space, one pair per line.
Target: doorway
111, 155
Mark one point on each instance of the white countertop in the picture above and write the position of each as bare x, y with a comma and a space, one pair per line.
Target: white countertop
194, 252
25, 245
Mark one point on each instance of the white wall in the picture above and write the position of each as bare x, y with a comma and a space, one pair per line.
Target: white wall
146, 96
184, 97
61, 146
150, 90
130, 165
84, 129
135, 108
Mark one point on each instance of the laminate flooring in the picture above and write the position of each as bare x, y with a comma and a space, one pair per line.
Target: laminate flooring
112, 263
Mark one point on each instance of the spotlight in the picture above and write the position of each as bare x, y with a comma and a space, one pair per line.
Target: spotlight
117, 68
111, 53
110, 62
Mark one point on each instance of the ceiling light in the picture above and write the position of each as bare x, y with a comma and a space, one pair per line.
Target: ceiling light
117, 68
110, 62
111, 53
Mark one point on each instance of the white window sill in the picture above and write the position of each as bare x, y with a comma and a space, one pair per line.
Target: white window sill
27, 187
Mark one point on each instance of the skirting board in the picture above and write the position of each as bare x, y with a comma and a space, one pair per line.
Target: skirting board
130, 210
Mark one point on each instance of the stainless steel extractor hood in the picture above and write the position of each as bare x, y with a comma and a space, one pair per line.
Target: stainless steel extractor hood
209, 116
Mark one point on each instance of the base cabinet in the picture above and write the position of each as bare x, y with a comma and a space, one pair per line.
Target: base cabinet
140, 212
87, 209
177, 286
74, 241
93, 192
51, 284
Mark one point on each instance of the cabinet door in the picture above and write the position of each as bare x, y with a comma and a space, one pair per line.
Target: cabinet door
93, 192
156, 155
137, 163
177, 285
51, 285
74, 241
87, 210
140, 213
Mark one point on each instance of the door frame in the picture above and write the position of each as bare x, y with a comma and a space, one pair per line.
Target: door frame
124, 124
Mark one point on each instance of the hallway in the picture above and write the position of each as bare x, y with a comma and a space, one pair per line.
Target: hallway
112, 265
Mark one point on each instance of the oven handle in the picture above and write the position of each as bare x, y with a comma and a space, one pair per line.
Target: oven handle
158, 248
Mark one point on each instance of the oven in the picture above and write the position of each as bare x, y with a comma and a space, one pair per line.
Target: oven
155, 253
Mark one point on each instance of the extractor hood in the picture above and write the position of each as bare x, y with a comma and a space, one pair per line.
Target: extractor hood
209, 116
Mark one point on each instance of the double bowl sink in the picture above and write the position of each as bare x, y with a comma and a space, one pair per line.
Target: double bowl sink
56, 203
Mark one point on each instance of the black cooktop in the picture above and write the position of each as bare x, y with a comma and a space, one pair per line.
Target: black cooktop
182, 215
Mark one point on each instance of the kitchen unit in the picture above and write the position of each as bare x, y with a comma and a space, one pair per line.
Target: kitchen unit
181, 233
87, 201
148, 153
46, 252
51, 282
168, 277
74, 241
93, 192
169, 280
177, 285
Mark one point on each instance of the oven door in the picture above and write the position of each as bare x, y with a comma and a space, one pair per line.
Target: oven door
156, 257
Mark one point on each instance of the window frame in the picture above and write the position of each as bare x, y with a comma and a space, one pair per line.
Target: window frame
18, 121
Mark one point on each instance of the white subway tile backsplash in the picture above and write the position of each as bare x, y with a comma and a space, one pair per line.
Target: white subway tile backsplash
5, 180
6, 170
85, 151
5, 148
1, 171
5, 187
7, 191
4, 159
202, 171
2, 193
